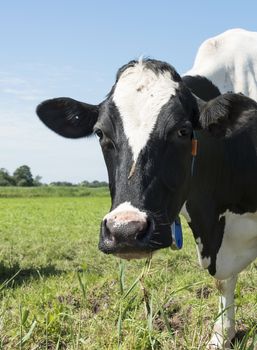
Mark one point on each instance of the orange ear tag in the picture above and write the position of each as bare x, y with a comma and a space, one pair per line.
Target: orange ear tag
194, 147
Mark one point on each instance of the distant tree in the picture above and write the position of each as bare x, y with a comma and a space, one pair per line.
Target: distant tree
85, 183
23, 177
97, 183
5, 178
104, 184
61, 183
37, 181
94, 183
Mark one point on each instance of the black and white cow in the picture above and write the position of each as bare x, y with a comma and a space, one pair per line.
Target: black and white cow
145, 128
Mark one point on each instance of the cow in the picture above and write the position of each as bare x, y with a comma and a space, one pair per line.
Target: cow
146, 128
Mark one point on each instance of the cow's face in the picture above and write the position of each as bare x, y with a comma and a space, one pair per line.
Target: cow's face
145, 131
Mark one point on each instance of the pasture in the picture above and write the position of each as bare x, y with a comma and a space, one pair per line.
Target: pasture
59, 292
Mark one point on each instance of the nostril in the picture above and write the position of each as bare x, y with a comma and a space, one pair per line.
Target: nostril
144, 230
106, 230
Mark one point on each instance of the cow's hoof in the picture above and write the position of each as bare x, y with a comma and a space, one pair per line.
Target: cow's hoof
218, 344
217, 347
221, 338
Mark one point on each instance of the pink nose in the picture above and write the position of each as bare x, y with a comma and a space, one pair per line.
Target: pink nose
126, 225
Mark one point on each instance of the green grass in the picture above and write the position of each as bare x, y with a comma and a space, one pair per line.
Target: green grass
59, 292
52, 191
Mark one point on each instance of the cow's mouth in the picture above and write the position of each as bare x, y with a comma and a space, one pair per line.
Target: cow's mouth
139, 247
127, 252
136, 249
134, 255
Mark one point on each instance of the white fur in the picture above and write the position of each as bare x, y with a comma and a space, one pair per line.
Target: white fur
229, 60
204, 261
185, 213
139, 96
238, 249
239, 245
224, 328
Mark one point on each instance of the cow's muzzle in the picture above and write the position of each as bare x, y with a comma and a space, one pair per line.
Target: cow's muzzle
126, 232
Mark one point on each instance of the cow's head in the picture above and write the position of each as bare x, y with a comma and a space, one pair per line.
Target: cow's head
145, 128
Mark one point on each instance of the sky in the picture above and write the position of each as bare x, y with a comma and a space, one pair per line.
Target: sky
74, 48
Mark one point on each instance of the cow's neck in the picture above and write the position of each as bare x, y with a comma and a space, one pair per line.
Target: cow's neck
220, 183
226, 171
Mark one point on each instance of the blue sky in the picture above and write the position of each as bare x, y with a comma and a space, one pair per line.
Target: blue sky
74, 48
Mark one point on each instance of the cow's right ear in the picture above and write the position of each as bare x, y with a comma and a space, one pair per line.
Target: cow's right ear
227, 114
68, 117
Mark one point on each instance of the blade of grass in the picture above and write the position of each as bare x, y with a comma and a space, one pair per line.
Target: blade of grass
122, 315
29, 333
82, 286
121, 276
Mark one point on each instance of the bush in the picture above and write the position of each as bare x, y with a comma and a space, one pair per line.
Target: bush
5, 178
4, 182
23, 176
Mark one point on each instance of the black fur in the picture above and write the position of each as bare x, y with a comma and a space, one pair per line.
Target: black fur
68, 117
228, 113
201, 87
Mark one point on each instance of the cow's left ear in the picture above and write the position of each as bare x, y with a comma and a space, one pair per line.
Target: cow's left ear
68, 117
227, 114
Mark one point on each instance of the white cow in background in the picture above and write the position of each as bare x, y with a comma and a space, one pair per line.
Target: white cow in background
229, 60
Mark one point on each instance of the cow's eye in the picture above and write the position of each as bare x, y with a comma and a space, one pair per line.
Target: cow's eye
99, 133
184, 132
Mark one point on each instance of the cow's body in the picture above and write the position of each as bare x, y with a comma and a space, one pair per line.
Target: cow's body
225, 224
145, 127
222, 203
222, 215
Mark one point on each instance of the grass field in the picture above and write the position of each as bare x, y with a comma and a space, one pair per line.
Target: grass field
59, 292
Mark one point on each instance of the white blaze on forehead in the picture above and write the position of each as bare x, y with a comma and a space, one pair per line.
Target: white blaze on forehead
139, 95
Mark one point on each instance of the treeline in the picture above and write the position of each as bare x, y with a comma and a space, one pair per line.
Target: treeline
22, 177
92, 184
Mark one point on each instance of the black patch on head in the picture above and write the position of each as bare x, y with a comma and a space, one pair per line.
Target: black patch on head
201, 87
116, 151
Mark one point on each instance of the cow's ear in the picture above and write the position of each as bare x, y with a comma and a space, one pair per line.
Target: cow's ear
68, 117
227, 114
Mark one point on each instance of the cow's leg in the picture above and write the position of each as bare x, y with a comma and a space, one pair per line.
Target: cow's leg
224, 327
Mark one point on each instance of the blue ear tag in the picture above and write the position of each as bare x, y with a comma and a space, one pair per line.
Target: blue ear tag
177, 235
